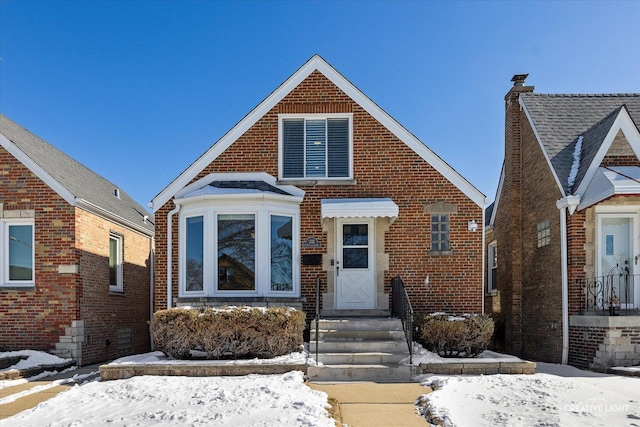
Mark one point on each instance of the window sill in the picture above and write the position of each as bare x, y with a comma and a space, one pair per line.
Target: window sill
440, 253
312, 182
28, 288
116, 292
492, 293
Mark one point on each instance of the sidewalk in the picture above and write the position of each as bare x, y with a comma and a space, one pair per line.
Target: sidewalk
370, 404
29, 394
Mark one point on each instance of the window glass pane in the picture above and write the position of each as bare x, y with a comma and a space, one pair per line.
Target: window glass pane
281, 253
293, 148
316, 148
236, 251
20, 252
338, 147
355, 257
440, 232
113, 261
195, 246
355, 234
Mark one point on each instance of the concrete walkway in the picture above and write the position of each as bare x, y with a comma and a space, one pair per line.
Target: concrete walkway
370, 404
30, 394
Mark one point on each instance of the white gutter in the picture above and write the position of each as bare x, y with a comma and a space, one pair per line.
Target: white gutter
484, 212
169, 252
152, 263
569, 203
565, 285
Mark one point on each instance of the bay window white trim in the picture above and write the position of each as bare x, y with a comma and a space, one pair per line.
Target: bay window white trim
263, 209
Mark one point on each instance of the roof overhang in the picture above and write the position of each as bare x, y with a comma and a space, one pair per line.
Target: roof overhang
359, 208
609, 182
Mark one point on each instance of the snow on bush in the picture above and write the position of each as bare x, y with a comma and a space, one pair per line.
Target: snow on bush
455, 336
236, 332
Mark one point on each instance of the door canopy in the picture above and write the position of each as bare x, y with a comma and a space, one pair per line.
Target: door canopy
359, 208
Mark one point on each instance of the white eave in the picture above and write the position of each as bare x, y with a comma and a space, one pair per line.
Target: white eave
359, 208
609, 182
317, 63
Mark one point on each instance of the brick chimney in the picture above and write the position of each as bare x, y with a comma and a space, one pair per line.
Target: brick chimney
509, 217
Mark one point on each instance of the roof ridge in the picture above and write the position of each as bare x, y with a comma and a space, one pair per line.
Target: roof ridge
581, 95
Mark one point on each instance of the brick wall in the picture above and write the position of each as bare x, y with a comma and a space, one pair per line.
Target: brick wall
34, 318
115, 324
383, 167
71, 283
541, 266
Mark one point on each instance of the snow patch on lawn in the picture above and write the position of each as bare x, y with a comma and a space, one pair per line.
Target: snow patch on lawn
252, 400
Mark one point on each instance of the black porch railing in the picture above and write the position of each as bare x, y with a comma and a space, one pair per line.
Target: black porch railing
613, 294
401, 308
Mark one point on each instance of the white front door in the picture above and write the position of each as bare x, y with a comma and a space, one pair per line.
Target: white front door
616, 257
355, 264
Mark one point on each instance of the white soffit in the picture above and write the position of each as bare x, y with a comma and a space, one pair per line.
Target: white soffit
609, 182
359, 208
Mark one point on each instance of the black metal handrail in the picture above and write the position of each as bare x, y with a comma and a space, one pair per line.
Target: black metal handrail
612, 294
401, 308
317, 314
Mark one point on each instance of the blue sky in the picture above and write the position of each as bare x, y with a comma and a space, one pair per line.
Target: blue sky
138, 90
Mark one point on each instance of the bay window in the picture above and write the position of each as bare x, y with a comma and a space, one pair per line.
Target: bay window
246, 250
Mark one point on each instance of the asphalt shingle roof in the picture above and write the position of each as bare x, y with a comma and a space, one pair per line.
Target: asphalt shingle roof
79, 180
561, 119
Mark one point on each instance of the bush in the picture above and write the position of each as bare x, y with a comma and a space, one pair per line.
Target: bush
455, 336
236, 332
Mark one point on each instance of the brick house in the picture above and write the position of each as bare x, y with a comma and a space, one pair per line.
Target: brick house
563, 235
319, 183
75, 255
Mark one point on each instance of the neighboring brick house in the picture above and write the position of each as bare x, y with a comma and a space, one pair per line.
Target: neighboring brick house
565, 229
318, 182
75, 255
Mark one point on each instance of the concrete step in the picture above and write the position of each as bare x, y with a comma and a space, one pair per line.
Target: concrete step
376, 372
355, 313
357, 335
359, 324
395, 346
372, 358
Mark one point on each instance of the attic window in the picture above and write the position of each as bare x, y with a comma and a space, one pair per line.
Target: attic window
316, 147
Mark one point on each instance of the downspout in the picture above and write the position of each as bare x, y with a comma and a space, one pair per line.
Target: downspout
484, 212
570, 203
152, 263
169, 252
565, 285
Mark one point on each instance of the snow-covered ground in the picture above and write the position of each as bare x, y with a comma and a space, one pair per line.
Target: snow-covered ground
555, 396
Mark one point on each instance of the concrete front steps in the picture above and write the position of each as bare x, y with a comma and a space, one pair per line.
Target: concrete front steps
360, 349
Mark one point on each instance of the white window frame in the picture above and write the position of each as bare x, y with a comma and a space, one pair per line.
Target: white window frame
492, 264
318, 116
119, 285
263, 210
4, 262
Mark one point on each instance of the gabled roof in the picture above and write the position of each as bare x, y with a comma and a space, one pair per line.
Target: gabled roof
319, 64
74, 182
591, 122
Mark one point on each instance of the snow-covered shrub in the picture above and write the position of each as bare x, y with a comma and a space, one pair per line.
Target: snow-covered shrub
236, 332
455, 336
